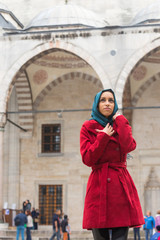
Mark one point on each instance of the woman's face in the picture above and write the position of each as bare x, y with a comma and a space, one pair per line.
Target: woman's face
106, 104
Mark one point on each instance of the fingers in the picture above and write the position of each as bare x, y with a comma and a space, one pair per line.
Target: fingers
108, 130
116, 115
109, 127
111, 132
98, 130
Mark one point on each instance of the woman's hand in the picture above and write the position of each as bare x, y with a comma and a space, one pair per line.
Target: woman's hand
108, 130
115, 115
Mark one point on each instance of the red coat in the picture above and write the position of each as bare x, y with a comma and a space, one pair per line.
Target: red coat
111, 197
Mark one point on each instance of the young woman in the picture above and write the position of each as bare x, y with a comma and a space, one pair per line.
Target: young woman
111, 198
29, 225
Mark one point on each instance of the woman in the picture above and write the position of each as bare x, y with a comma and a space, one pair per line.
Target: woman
111, 199
29, 225
64, 225
35, 215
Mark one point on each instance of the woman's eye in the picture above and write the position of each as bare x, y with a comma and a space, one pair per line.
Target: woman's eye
109, 100
102, 100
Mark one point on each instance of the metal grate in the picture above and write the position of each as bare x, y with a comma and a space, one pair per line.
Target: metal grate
50, 199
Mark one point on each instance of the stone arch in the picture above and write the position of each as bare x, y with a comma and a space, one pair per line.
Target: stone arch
131, 65
25, 60
24, 99
132, 102
65, 77
127, 101
144, 87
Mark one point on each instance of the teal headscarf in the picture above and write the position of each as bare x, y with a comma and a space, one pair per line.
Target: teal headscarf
96, 115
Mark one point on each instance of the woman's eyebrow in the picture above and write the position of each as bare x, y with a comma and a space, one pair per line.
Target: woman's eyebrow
111, 98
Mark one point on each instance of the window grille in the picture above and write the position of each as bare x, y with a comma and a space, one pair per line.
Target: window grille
50, 199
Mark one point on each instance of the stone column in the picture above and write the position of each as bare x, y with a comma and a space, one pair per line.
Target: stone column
2, 123
1, 166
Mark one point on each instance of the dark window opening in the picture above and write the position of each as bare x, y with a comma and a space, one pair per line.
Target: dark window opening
51, 138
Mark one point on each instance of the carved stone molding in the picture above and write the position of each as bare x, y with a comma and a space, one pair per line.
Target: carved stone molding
152, 181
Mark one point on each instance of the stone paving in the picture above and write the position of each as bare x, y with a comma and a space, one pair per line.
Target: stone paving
10, 234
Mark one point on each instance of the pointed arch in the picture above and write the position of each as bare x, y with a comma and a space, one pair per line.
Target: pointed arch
144, 87
19, 66
131, 64
65, 77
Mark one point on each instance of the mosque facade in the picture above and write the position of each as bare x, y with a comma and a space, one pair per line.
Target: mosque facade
50, 71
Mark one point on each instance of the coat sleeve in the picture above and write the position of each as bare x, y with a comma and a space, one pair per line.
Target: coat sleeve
126, 141
92, 152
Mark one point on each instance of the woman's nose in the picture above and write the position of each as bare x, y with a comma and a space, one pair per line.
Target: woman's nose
107, 102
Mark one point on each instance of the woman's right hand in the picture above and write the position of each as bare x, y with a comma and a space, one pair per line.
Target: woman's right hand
108, 130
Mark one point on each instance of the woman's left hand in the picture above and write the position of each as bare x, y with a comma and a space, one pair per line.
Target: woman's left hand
116, 115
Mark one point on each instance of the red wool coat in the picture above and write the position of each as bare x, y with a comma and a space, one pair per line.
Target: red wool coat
111, 197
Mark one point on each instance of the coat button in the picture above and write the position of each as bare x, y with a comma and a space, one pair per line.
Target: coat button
108, 179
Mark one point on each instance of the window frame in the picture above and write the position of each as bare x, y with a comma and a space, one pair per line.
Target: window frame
39, 138
50, 135
43, 181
